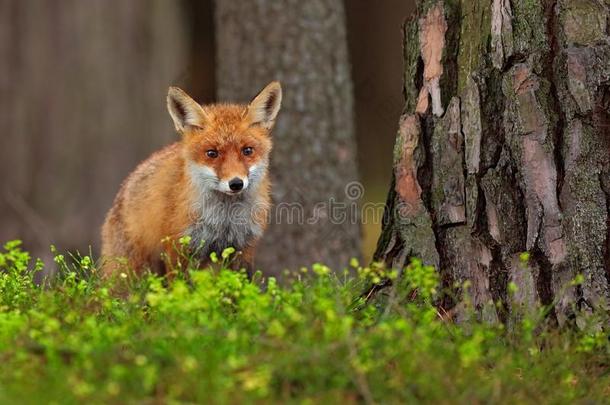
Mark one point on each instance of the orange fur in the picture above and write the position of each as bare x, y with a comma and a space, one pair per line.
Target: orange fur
177, 190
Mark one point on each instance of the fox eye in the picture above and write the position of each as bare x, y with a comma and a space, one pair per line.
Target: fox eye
247, 151
212, 153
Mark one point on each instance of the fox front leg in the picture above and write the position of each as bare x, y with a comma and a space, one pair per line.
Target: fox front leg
244, 260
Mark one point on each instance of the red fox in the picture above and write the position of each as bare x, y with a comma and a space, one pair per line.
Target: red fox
212, 186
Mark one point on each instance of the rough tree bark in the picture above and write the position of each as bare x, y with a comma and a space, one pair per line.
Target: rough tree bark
504, 147
83, 89
302, 44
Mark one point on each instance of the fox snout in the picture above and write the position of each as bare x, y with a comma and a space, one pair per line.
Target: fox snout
235, 185
206, 178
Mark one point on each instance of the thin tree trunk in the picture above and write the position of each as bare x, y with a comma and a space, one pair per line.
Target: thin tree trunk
83, 89
302, 44
504, 147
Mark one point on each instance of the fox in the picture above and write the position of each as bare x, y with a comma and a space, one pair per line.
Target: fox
211, 186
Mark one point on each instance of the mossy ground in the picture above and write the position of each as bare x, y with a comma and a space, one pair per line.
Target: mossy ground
217, 337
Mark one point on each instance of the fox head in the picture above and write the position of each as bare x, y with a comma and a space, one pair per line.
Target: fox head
226, 146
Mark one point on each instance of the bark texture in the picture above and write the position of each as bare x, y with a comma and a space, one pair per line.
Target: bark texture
83, 100
504, 147
302, 44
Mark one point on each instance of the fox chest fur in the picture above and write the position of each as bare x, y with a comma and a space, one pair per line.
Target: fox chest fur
222, 221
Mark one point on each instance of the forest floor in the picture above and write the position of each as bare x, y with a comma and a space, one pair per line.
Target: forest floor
217, 337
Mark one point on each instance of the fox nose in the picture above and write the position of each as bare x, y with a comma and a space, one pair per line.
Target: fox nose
236, 184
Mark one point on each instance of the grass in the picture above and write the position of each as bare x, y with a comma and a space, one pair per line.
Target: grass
217, 337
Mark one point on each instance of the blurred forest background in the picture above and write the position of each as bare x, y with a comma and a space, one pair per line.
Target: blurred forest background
82, 101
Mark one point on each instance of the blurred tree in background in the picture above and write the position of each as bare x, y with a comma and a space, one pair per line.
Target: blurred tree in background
304, 45
83, 98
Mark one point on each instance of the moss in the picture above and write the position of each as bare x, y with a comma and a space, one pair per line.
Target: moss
474, 38
418, 237
472, 198
412, 78
544, 95
439, 172
397, 151
584, 204
529, 31
387, 225
584, 21
525, 110
499, 189
449, 78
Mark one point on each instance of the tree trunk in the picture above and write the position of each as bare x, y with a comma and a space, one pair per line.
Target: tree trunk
83, 100
302, 44
504, 147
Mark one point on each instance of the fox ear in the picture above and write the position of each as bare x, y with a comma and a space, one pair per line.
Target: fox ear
265, 106
184, 110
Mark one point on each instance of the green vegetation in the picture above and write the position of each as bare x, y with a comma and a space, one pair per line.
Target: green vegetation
216, 337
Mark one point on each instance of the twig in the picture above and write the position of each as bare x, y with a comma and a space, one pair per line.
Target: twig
30, 217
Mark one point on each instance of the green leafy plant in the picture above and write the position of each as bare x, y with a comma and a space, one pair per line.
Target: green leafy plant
214, 335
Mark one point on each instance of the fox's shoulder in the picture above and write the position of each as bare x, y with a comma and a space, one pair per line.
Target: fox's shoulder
146, 170
159, 158
168, 152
